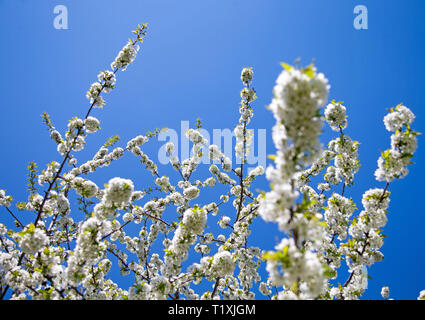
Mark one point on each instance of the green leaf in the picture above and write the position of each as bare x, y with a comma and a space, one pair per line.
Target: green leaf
309, 71
31, 228
286, 66
272, 157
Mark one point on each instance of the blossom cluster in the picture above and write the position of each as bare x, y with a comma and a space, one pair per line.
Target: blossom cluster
394, 161
298, 96
168, 238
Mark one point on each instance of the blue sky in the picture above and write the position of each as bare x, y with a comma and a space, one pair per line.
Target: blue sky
189, 67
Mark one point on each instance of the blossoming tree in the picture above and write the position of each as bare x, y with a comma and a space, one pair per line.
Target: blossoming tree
67, 256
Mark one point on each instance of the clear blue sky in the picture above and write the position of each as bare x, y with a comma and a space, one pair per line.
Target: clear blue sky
189, 67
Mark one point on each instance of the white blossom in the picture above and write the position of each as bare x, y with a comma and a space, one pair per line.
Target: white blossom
335, 116
92, 124
33, 239
162, 240
191, 193
119, 191
222, 264
396, 119
194, 220
246, 75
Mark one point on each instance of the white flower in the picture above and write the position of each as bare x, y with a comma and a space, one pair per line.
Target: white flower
33, 240
247, 75
406, 142
160, 285
195, 136
93, 94
55, 136
169, 147
396, 119
248, 94
211, 182
125, 56
89, 189
214, 153
137, 195
5, 200
227, 164
107, 78
119, 191
375, 199
273, 207
127, 217
385, 292
258, 171
63, 204
264, 289
194, 220
75, 124
92, 124
137, 141
222, 264
224, 222
191, 193
335, 116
